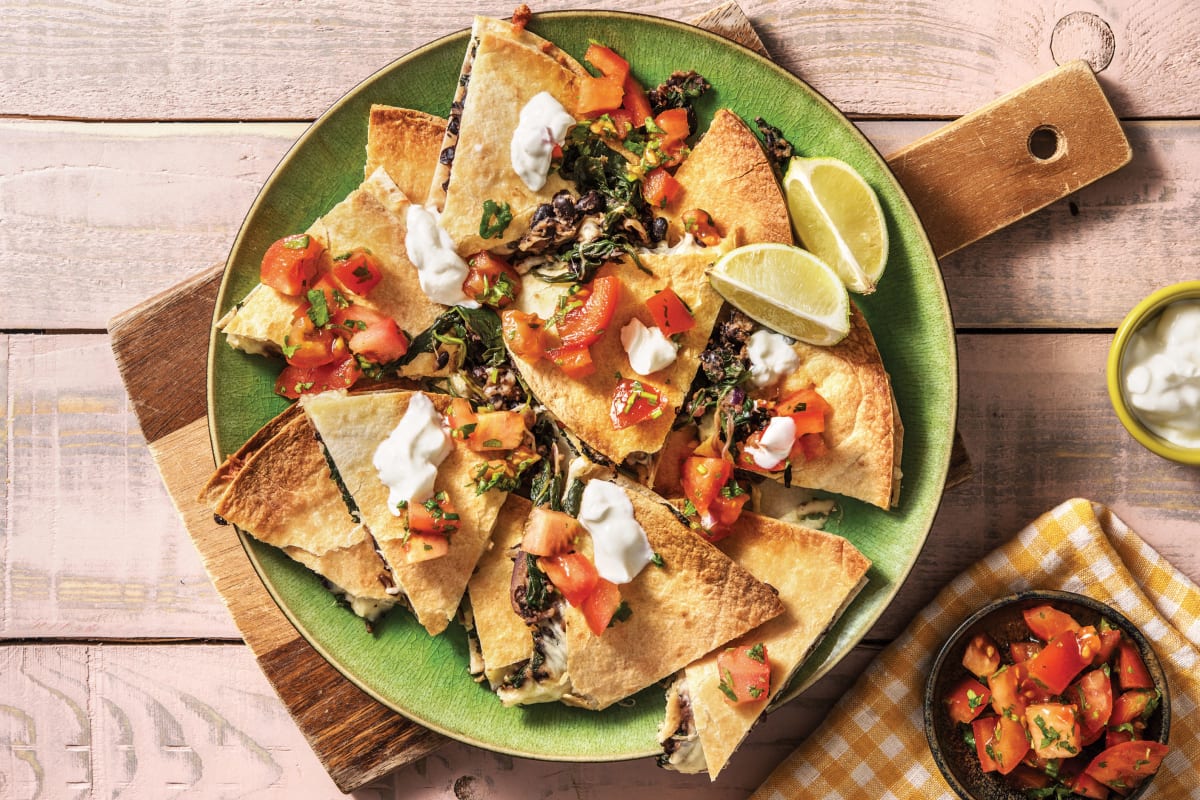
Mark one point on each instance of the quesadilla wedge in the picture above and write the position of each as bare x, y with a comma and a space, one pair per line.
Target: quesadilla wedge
863, 433
406, 143
351, 428
278, 489
505, 68
696, 600
584, 405
817, 575
402, 147
729, 176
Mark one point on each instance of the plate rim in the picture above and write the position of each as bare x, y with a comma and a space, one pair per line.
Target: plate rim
938, 477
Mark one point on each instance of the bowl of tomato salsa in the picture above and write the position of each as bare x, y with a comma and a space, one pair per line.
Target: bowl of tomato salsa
1047, 694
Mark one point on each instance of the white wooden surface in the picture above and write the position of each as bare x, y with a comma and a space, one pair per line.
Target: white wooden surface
134, 136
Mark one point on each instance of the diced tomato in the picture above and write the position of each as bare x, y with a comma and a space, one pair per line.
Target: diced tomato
1135, 704
1000, 743
341, 374
806, 408
330, 301
572, 574
967, 700
622, 124
1092, 694
635, 401
358, 271
724, 511
585, 323
1023, 651
575, 362
491, 280
306, 345
1129, 732
744, 673
435, 515
1046, 622
636, 102
703, 479
460, 418
1054, 728
290, 265
1125, 766
497, 430
601, 606
982, 656
425, 547
670, 313
1006, 695
699, 223
1131, 670
1109, 639
550, 533
373, 335
599, 96
1059, 662
525, 334
1072, 776
674, 124
608, 62
660, 188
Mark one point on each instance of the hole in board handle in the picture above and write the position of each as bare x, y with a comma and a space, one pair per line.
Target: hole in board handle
1045, 143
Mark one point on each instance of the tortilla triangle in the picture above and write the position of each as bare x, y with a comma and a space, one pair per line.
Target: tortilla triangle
278, 489
351, 428
406, 144
583, 405
817, 574
729, 176
863, 433
505, 68
504, 638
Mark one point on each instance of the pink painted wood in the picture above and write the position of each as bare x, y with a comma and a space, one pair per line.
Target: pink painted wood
120, 670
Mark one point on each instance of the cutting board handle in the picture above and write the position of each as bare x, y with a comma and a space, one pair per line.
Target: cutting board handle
1016, 155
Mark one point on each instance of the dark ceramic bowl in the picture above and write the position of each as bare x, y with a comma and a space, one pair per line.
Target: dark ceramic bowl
1002, 620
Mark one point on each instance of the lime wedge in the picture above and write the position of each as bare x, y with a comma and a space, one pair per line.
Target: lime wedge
837, 216
787, 289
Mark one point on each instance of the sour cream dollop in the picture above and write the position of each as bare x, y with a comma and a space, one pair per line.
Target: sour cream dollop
431, 250
542, 125
771, 358
620, 548
649, 350
775, 444
407, 460
1162, 373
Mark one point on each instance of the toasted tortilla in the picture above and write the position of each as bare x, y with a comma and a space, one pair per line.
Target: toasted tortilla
504, 69
729, 175
863, 433
278, 489
352, 428
399, 141
504, 638
696, 601
583, 405
406, 143
817, 575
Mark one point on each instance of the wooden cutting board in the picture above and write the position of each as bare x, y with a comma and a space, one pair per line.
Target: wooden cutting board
358, 739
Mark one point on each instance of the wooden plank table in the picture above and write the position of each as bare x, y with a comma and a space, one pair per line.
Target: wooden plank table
120, 669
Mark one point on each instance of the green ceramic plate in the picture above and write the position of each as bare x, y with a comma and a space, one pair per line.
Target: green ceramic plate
426, 678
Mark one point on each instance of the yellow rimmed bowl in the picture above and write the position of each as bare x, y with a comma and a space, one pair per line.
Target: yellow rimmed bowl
1143, 313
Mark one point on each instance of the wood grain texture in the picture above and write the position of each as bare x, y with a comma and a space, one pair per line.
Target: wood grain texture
1012, 157
179, 60
80, 721
91, 545
1027, 275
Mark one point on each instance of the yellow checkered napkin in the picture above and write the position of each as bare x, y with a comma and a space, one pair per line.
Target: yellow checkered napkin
873, 744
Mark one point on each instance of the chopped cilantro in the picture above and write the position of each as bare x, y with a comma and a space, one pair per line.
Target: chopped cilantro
496, 218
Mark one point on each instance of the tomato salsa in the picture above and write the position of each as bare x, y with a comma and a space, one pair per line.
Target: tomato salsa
1056, 707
